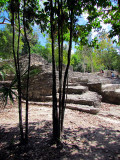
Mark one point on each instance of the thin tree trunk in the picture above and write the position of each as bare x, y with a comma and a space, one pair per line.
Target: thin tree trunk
119, 20
18, 76
19, 82
67, 68
84, 63
60, 44
28, 72
91, 60
60, 66
54, 96
61, 61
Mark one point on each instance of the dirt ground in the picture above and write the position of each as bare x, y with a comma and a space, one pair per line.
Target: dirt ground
85, 137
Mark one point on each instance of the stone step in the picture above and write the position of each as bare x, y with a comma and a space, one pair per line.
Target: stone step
110, 87
39, 103
82, 108
73, 84
89, 98
80, 80
111, 96
95, 87
76, 89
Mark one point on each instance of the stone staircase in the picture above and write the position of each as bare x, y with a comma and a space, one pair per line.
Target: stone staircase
84, 92
108, 88
78, 96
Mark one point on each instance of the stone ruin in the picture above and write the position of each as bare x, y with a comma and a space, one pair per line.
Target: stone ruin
40, 77
85, 91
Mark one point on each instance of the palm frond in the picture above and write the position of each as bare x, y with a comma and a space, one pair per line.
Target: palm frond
2, 75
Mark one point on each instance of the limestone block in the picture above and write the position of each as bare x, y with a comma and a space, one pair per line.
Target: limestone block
87, 98
76, 89
96, 87
83, 108
110, 87
111, 96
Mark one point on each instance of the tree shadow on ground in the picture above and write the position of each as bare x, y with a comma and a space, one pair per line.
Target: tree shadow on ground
81, 143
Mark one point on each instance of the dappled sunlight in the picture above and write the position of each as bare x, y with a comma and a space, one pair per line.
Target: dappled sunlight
84, 137
81, 143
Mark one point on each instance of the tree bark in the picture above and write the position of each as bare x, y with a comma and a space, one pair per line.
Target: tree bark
91, 60
67, 68
60, 47
28, 73
54, 96
16, 61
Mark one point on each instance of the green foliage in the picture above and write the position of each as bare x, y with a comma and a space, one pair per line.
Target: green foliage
6, 43
6, 51
65, 55
3, 5
2, 75
8, 92
44, 51
33, 40
84, 54
106, 56
97, 64
102, 57
7, 67
34, 71
76, 63
113, 17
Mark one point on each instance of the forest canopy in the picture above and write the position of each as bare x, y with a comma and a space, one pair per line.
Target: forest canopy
81, 60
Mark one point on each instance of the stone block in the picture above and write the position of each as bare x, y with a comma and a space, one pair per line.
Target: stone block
96, 87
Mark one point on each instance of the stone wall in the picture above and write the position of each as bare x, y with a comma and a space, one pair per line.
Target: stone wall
40, 85
36, 60
40, 77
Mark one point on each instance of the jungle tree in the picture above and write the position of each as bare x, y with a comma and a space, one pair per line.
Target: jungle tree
20, 22
63, 20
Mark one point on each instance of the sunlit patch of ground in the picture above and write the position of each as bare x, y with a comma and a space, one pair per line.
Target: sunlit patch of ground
86, 136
